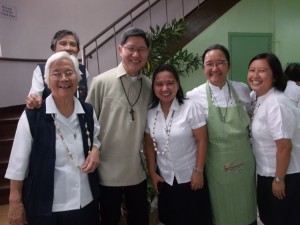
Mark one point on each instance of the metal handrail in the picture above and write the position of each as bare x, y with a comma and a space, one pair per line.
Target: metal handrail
113, 28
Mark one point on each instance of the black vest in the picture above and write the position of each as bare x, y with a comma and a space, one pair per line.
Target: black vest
82, 85
38, 186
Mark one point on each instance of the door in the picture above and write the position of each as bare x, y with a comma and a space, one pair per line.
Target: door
243, 47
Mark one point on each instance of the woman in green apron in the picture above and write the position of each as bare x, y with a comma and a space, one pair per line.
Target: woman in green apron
230, 165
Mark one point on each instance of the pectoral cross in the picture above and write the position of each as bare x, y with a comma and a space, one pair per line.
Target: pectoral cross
132, 114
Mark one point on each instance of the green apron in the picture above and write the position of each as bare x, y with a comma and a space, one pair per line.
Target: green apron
230, 164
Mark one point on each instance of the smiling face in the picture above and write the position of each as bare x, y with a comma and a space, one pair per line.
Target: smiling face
63, 79
165, 87
260, 76
216, 67
134, 54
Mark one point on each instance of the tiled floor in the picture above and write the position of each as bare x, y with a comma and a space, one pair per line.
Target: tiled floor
4, 220
3, 214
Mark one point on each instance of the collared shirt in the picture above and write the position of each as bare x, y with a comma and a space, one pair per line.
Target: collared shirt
71, 185
121, 137
275, 117
180, 159
37, 84
221, 96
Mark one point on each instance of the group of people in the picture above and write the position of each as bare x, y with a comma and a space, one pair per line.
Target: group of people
203, 151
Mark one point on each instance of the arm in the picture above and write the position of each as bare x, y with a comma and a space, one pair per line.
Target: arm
150, 158
16, 211
197, 180
93, 159
283, 155
34, 98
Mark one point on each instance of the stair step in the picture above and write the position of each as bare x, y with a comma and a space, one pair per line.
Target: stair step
8, 128
5, 148
4, 194
11, 111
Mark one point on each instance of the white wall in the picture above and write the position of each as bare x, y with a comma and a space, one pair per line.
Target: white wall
30, 34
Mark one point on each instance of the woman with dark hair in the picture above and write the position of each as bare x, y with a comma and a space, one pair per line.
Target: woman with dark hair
63, 40
292, 71
292, 90
230, 164
275, 130
176, 139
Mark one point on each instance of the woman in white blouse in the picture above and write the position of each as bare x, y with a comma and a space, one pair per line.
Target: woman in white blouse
292, 90
55, 154
230, 164
275, 132
176, 140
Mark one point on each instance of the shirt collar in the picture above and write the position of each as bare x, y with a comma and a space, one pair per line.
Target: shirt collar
174, 106
51, 107
215, 88
122, 72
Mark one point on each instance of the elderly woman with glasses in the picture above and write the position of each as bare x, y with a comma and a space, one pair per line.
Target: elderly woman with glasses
52, 167
230, 165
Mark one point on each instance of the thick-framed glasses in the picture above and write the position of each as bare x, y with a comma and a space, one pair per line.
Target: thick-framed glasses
131, 49
59, 75
219, 65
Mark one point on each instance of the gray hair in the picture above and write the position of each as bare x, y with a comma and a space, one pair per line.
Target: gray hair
57, 56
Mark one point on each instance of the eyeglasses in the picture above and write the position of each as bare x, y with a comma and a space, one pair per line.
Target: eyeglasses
131, 49
219, 65
58, 75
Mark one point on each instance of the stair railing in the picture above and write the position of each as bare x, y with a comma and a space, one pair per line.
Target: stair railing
110, 34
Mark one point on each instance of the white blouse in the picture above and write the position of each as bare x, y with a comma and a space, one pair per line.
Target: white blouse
71, 185
292, 91
180, 159
223, 99
275, 117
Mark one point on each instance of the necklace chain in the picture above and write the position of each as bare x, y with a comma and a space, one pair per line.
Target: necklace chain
253, 111
168, 131
127, 97
255, 108
70, 154
214, 99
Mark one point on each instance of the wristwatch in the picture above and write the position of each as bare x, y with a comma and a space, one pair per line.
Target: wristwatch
278, 179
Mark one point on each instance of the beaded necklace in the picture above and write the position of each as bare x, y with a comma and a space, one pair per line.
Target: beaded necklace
214, 99
256, 106
70, 154
168, 131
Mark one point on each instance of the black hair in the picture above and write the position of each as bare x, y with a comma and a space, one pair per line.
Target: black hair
292, 72
219, 47
167, 67
280, 80
62, 33
135, 32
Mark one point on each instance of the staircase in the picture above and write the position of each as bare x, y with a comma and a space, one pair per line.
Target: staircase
9, 117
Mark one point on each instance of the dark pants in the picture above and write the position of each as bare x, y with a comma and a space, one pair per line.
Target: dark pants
86, 215
136, 204
180, 205
273, 211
